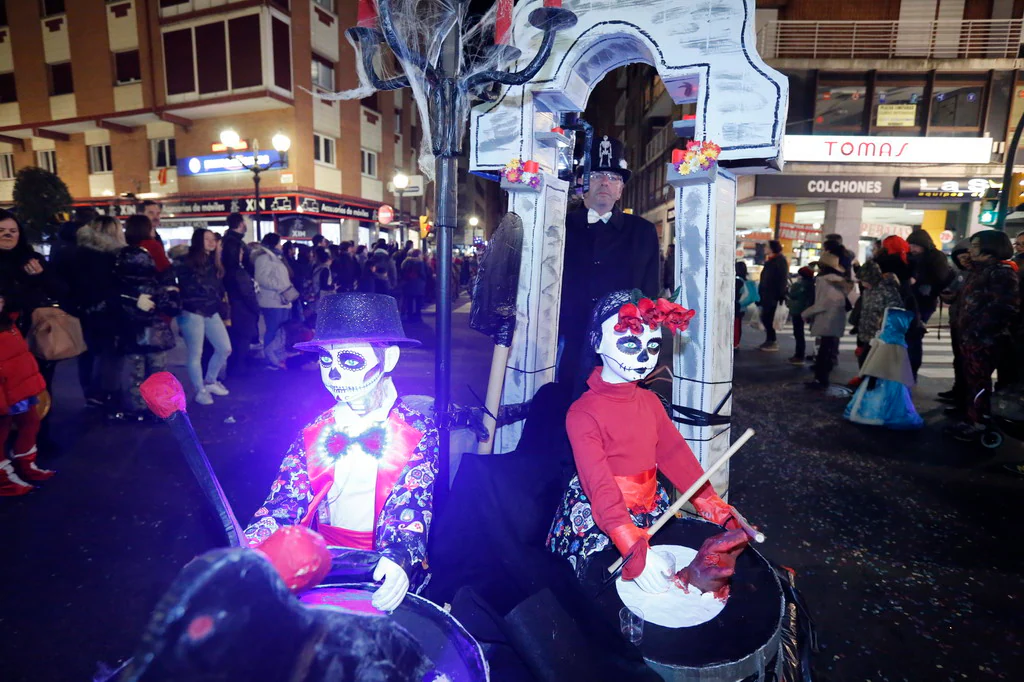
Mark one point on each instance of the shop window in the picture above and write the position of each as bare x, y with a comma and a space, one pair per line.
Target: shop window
163, 153
368, 166
99, 158
51, 7
179, 61
281, 34
6, 166
47, 160
244, 38
61, 81
323, 73
898, 105
323, 149
126, 67
8, 90
957, 106
839, 107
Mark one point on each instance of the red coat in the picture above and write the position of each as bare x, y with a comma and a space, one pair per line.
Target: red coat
19, 373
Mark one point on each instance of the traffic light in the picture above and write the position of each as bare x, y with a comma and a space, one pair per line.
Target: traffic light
989, 212
1016, 192
424, 226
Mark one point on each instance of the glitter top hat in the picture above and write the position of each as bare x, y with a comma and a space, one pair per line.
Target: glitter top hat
357, 318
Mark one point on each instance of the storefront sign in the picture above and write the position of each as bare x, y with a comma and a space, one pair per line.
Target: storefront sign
825, 186
804, 232
220, 163
883, 230
896, 116
866, 149
286, 203
943, 189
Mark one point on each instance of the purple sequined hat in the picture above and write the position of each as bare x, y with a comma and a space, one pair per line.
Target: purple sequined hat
357, 318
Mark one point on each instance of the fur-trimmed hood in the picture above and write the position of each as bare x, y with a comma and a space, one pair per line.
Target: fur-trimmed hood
88, 238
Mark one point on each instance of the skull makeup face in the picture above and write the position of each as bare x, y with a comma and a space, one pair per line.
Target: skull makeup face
627, 356
353, 371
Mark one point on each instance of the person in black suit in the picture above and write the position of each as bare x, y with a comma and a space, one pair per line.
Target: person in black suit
605, 250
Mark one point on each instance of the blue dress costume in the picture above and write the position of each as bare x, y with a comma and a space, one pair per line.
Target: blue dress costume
883, 397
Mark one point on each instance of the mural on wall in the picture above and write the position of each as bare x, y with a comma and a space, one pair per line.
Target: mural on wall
704, 53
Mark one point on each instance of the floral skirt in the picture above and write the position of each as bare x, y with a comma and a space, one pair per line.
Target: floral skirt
574, 534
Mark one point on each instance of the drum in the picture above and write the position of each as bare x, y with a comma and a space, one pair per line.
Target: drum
453, 651
741, 643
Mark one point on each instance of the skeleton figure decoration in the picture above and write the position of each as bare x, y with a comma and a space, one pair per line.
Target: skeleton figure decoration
605, 152
621, 436
362, 473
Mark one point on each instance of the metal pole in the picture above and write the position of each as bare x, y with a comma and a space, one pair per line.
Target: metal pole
256, 183
1011, 154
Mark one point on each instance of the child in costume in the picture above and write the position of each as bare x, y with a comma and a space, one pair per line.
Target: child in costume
621, 436
362, 474
20, 385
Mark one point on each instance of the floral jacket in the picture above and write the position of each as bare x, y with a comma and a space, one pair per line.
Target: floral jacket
405, 484
989, 304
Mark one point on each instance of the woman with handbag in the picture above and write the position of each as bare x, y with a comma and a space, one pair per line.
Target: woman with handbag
276, 295
147, 300
200, 278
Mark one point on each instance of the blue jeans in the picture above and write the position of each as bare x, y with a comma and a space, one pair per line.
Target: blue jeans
273, 347
195, 328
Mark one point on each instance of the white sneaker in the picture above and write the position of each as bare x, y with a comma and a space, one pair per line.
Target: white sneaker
204, 398
217, 388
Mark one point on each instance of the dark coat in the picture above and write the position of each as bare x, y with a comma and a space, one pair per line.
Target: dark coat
346, 272
601, 258
989, 305
142, 332
413, 276
202, 291
233, 243
245, 307
932, 273
92, 289
22, 292
774, 280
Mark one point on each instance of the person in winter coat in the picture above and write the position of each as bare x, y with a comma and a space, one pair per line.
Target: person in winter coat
880, 291
323, 277
741, 292
148, 298
20, 385
382, 268
414, 285
827, 316
956, 396
241, 290
988, 307
345, 268
275, 296
92, 292
931, 272
773, 286
200, 277
799, 299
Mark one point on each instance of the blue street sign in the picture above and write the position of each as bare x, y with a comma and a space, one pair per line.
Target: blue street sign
220, 163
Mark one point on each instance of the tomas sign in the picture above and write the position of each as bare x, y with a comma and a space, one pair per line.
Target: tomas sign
868, 149
220, 163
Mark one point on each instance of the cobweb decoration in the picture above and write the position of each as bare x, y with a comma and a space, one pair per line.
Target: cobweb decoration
423, 26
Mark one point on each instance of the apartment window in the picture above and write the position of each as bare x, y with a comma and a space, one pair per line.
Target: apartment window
8, 90
369, 163
6, 166
3, 13
51, 7
281, 35
840, 107
283, 4
326, 4
323, 149
126, 67
956, 103
323, 73
99, 159
172, 3
370, 102
47, 160
211, 53
61, 82
163, 153
245, 30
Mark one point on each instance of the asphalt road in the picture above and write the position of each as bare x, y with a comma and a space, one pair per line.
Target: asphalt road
904, 543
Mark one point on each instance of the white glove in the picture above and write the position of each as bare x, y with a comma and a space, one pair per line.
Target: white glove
145, 303
396, 583
654, 578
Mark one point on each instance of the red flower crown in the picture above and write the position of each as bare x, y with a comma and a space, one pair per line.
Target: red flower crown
674, 317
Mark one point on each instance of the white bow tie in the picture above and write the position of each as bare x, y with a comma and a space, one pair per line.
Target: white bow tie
593, 216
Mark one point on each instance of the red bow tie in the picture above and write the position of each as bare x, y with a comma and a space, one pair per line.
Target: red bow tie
371, 441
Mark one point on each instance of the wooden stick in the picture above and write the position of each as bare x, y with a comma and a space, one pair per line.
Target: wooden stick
495, 384
664, 518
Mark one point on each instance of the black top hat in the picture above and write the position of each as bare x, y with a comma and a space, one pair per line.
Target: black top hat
606, 156
357, 318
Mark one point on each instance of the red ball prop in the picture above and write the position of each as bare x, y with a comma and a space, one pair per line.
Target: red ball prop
163, 394
299, 555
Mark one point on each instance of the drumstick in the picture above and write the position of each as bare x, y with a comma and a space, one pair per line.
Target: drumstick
664, 518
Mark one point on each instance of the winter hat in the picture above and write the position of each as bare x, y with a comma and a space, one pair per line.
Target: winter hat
962, 246
805, 272
896, 246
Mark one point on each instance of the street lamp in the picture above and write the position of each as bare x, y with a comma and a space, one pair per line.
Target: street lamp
400, 182
473, 222
281, 142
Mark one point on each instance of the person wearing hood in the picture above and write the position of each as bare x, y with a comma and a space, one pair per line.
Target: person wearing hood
988, 308
956, 396
880, 291
93, 294
275, 296
895, 258
827, 315
931, 272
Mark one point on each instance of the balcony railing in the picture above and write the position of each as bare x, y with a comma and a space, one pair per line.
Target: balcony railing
940, 39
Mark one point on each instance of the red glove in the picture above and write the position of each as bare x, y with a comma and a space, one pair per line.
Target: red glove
632, 542
716, 510
715, 563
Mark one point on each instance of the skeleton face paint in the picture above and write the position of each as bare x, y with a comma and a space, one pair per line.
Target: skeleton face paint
627, 356
351, 371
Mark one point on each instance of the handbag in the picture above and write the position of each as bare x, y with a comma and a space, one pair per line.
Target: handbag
781, 315
289, 295
55, 335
